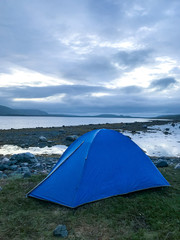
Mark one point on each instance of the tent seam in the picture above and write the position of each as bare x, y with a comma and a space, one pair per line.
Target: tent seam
73, 201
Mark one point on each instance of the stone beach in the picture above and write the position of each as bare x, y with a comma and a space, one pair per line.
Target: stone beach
26, 164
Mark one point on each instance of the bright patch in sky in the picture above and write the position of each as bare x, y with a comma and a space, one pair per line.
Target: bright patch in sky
142, 76
51, 99
24, 77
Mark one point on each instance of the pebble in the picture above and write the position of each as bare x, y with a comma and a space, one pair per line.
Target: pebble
162, 164
60, 231
42, 139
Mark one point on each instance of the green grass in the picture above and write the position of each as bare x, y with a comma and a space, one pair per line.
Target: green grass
151, 214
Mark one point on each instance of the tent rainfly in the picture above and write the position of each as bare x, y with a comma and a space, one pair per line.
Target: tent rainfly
99, 164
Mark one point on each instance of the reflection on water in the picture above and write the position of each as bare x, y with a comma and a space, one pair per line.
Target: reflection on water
11, 149
159, 141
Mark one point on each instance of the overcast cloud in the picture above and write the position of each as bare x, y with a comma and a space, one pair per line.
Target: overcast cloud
89, 56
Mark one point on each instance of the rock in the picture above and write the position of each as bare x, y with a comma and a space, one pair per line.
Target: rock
24, 157
13, 167
38, 166
25, 164
4, 167
60, 231
27, 175
71, 138
24, 145
177, 166
4, 176
173, 124
23, 170
162, 164
62, 131
144, 126
1, 174
42, 139
5, 160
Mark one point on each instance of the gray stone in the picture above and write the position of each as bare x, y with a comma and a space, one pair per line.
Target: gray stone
24, 157
23, 170
71, 138
4, 176
13, 167
25, 164
5, 161
27, 175
37, 165
144, 126
60, 231
177, 166
62, 131
42, 139
4, 167
24, 145
162, 164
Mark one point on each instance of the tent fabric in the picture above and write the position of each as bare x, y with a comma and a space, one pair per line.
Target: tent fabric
100, 164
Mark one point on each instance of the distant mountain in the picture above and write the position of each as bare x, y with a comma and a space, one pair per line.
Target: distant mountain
175, 117
111, 116
6, 111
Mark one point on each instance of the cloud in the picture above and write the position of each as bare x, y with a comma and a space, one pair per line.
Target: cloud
102, 55
163, 83
132, 59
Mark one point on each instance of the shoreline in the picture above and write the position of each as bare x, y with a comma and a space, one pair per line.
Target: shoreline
58, 135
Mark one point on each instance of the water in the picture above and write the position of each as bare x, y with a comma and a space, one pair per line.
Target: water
15, 122
13, 149
154, 142
157, 144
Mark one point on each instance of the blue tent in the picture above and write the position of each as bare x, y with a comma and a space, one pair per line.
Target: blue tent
100, 164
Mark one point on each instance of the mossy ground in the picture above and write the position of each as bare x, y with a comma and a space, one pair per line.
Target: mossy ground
151, 214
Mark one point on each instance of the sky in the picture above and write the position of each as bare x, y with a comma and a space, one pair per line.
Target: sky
91, 56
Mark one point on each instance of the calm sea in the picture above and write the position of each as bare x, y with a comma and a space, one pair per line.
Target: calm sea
33, 122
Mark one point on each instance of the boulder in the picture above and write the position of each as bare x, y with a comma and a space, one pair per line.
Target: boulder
162, 164
5, 161
23, 170
4, 175
71, 138
13, 167
177, 166
60, 231
24, 145
27, 175
42, 139
4, 167
62, 131
24, 157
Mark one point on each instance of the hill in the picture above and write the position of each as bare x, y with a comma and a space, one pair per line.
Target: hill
6, 111
175, 117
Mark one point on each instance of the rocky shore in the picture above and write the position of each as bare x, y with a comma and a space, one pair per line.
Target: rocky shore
26, 164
